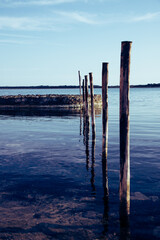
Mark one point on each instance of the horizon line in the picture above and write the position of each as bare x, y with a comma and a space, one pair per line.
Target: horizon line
75, 86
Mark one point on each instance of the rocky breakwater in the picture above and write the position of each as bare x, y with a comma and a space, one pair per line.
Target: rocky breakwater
45, 104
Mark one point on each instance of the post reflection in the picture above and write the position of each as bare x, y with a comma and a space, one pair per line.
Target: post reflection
84, 128
93, 165
87, 141
105, 185
124, 211
80, 132
105, 169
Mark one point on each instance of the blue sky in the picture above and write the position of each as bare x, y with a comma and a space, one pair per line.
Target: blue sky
46, 42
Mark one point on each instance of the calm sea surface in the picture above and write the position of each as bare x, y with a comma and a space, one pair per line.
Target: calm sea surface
51, 178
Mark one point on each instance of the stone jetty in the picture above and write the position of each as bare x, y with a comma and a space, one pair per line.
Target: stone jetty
47, 104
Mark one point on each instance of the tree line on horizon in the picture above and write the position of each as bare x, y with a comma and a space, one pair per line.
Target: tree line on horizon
150, 85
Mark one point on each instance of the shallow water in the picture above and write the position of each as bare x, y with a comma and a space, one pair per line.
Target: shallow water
51, 176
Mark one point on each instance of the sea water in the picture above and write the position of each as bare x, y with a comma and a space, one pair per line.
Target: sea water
51, 182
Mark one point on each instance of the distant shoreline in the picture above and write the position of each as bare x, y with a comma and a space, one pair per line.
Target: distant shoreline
154, 85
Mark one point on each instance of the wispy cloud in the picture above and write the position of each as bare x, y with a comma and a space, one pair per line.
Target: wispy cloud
14, 3
60, 20
80, 17
26, 23
128, 19
55, 23
12, 41
19, 36
146, 17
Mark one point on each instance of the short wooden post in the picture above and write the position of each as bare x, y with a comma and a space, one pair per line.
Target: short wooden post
105, 127
79, 82
92, 105
86, 95
124, 125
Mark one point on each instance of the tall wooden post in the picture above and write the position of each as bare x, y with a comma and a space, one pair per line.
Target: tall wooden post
124, 126
105, 127
92, 105
79, 82
83, 93
105, 104
86, 95
87, 122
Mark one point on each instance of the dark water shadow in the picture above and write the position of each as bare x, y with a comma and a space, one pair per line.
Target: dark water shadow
124, 217
40, 112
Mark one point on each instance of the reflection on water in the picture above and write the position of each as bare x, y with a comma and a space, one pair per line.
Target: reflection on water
93, 166
106, 190
47, 193
87, 140
124, 220
105, 169
80, 123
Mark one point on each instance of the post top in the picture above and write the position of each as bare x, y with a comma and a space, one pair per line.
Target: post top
126, 41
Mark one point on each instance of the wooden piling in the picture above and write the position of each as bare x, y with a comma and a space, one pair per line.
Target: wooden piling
79, 82
92, 105
105, 104
86, 95
124, 125
87, 122
83, 93
105, 128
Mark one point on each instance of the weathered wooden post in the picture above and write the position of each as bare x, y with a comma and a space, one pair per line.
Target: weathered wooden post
124, 189
105, 127
105, 104
87, 122
79, 82
92, 106
86, 95
83, 93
